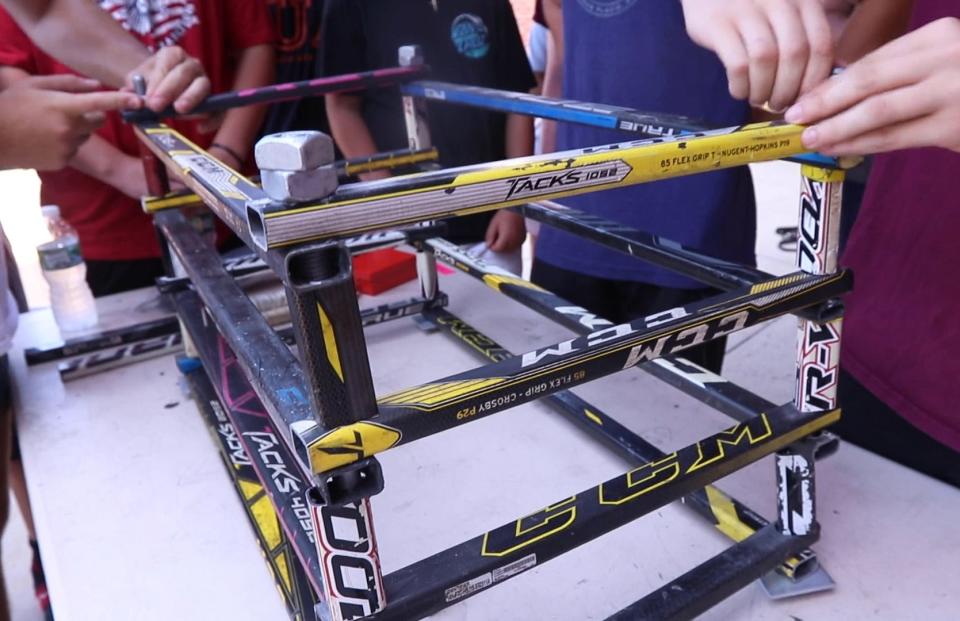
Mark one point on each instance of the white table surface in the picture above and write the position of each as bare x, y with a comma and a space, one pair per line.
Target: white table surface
138, 519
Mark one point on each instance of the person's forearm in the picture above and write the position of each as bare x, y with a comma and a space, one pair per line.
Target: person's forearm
506, 230
872, 24
241, 125
350, 131
519, 138
348, 127
106, 163
553, 15
552, 87
99, 159
81, 35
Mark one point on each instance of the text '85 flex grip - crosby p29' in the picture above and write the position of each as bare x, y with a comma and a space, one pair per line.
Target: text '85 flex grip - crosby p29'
321, 425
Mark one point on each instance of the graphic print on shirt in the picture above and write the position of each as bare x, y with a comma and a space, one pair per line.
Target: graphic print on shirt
291, 22
606, 8
470, 35
163, 21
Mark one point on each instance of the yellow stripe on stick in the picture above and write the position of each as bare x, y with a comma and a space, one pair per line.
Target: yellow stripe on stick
330, 342
267, 523
283, 568
728, 521
593, 417
153, 204
435, 394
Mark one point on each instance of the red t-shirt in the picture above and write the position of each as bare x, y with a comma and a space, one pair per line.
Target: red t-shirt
111, 225
902, 331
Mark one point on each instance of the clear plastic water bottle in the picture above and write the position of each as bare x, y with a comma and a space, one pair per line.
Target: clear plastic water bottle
66, 273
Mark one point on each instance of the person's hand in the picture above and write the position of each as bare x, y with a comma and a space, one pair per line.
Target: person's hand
773, 50
173, 77
905, 94
505, 232
44, 120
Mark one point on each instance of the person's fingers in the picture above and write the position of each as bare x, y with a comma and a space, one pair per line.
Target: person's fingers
176, 82
159, 65
64, 83
820, 39
728, 45
891, 66
136, 102
793, 54
154, 70
917, 132
508, 232
761, 46
99, 102
859, 81
194, 94
870, 115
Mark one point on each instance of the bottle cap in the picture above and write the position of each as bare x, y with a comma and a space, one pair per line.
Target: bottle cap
50, 211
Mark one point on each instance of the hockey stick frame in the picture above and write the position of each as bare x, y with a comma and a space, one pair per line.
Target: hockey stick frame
728, 515
332, 449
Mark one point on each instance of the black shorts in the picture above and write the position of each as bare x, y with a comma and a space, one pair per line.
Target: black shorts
108, 277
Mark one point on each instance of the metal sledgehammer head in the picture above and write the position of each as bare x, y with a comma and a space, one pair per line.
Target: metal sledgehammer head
299, 186
297, 166
294, 151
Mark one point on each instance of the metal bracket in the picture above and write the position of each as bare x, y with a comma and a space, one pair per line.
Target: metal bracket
349, 484
777, 586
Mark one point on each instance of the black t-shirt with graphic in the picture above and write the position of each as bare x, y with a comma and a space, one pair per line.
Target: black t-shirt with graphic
473, 42
297, 25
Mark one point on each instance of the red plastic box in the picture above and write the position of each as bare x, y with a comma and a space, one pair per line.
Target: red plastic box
381, 270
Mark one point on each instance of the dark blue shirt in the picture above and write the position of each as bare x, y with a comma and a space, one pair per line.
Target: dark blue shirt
636, 53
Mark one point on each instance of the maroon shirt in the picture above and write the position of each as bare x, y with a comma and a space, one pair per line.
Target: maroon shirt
902, 332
